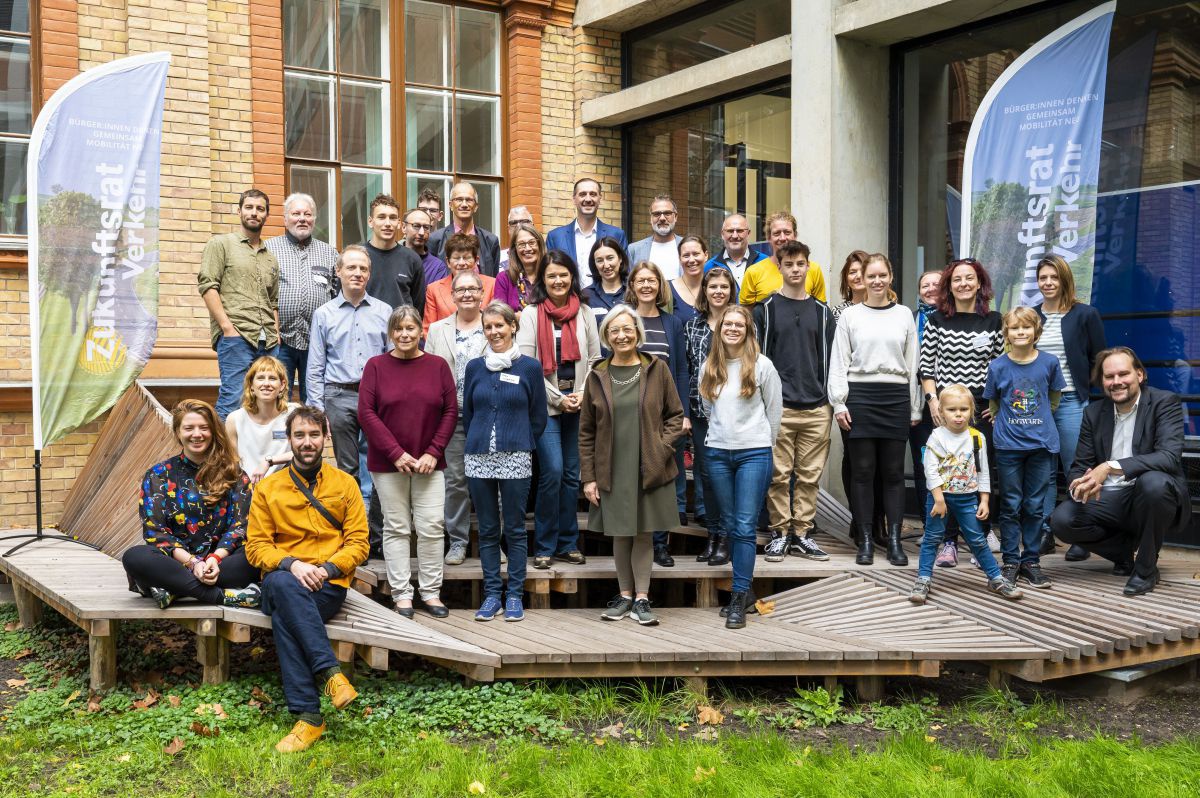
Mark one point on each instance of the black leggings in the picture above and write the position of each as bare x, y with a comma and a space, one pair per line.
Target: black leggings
149, 567
868, 457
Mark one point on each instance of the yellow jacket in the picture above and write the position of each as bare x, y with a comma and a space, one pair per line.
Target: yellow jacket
283, 523
763, 279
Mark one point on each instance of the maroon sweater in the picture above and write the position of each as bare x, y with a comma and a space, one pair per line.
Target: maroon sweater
406, 406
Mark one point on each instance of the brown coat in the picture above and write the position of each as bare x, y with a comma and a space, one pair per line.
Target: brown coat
661, 425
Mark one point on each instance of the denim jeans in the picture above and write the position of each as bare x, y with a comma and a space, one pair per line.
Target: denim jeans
234, 356
1068, 418
298, 618
491, 497
556, 526
740, 478
295, 362
1024, 477
703, 481
962, 507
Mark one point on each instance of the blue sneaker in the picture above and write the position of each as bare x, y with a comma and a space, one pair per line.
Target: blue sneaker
514, 610
488, 609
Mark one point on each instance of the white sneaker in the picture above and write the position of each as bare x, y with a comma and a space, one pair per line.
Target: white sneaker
993, 542
456, 555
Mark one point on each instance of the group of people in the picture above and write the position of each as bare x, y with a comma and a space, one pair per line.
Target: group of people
591, 365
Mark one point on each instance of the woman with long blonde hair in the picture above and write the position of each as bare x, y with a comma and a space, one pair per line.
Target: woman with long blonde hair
743, 399
257, 429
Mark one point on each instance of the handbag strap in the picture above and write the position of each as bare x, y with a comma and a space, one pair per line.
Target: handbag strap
308, 494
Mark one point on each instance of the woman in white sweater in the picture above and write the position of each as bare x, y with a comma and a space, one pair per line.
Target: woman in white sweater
874, 392
743, 399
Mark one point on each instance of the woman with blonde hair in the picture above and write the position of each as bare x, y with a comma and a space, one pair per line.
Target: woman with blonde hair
257, 429
194, 507
743, 399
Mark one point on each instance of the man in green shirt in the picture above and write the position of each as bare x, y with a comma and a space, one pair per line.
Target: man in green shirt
239, 282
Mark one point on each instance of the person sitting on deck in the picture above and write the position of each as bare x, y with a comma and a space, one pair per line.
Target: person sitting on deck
307, 532
193, 511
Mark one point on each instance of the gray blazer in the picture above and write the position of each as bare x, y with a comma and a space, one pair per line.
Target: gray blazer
640, 250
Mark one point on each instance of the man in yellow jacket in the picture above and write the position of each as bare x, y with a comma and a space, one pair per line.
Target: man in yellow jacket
307, 532
763, 278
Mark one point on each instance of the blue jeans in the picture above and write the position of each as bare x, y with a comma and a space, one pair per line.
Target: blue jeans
1068, 418
295, 362
681, 480
962, 507
706, 496
555, 524
740, 478
234, 356
491, 497
298, 619
1024, 478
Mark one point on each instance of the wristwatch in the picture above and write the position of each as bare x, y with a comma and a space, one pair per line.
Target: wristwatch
929, 397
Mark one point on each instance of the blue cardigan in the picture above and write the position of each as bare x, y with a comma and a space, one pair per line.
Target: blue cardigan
1083, 338
563, 238
516, 410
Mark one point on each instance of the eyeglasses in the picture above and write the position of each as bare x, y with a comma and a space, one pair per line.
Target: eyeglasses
421, 228
646, 281
515, 222
966, 261
462, 201
468, 290
738, 230
526, 246
660, 214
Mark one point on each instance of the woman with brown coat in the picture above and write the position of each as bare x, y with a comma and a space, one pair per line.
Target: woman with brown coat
630, 421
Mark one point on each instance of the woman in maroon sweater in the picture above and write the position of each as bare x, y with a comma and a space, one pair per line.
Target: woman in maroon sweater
407, 406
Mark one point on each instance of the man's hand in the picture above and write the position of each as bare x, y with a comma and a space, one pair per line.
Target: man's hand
311, 576
1088, 486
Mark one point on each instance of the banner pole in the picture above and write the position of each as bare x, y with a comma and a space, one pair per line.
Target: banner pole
37, 490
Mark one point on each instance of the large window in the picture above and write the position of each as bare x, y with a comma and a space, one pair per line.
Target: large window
16, 119
729, 156
375, 105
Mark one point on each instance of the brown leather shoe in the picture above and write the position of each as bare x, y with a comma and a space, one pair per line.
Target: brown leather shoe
340, 691
302, 735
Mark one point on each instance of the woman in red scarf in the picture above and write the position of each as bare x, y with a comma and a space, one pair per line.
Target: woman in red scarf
560, 331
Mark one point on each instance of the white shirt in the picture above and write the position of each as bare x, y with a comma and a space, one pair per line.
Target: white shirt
583, 251
737, 267
1052, 342
666, 257
1122, 443
257, 441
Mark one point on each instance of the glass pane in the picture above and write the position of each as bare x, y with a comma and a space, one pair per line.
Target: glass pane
308, 125
358, 189
318, 183
415, 184
364, 134
426, 30
477, 54
308, 33
427, 118
16, 98
477, 124
14, 15
363, 36
488, 213
12, 183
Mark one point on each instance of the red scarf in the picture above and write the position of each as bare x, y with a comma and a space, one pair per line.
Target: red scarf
548, 314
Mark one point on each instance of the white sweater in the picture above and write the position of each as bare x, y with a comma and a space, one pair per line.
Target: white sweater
874, 345
735, 422
949, 462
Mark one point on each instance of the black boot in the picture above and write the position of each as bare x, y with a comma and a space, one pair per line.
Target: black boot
879, 531
703, 556
736, 617
751, 605
866, 546
895, 551
663, 557
1046, 543
721, 555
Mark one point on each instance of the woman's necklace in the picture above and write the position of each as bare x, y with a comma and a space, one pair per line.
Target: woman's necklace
690, 297
636, 374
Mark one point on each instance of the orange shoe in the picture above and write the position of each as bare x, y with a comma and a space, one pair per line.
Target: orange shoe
340, 691
302, 735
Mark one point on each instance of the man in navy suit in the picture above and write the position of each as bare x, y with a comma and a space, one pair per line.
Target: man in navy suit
577, 238
464, 201
1127, 484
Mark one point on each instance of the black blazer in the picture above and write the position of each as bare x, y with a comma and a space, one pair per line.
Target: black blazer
1083, 338
489, 247
1157, 440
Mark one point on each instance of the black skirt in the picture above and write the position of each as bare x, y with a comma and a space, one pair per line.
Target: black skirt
878, 410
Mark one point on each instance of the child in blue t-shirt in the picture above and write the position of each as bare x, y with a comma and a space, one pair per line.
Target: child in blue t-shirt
1023, 388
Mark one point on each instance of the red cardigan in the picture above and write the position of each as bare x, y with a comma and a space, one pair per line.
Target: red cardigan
406, 406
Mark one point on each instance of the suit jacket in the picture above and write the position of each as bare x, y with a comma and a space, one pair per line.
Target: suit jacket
640, 250
1157, 440
439, 301
489, 247
563, 238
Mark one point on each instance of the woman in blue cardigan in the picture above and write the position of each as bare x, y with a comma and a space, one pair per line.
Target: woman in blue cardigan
504, 412
650, 295
1073, 332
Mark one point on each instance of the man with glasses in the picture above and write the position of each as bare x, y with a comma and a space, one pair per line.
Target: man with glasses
431, 202
397, 275
737, 257
464, 202
661, 248
577, 238
462, 253
418, 225
764, 278
517, 215
306, 268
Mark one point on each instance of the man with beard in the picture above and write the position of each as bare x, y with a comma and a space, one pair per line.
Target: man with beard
577, 238
661, 248
307, 533
418, 224
306, 267
239, 282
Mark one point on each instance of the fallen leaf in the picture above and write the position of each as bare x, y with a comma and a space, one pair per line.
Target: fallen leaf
599, 740
12, 626
936, 768
23, 653
261, 695
422, 735
150, 700
929, 738
124, 757
367, 711
709, 716
174, 700
17, 682
476, 788
174, 747
613, 731
935, 727
764, 607
702, 774
71, 698
154, 678
257, 652
707, 733
93, 704
682, 726
254, 704
204, 731
179, 670
215, 709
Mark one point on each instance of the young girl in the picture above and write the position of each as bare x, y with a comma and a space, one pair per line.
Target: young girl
956, 473
1023, 388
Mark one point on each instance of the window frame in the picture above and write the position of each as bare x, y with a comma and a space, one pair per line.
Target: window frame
11, 245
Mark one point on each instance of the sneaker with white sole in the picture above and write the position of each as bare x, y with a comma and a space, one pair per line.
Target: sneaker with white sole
806, 548
642, 614
776, 549
947, 557
920, 590
457, 554
1002, 587
248, 597
993, 542
618, 608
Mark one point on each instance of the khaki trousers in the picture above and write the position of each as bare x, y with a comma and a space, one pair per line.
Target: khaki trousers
801, 449
412, 502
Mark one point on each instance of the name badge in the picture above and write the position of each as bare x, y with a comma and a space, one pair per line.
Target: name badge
510, 378
319, 279
279, 435
982, 341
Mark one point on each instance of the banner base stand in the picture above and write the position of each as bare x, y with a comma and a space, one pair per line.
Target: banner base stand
34, 537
